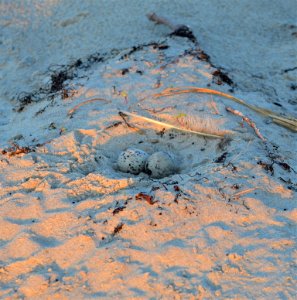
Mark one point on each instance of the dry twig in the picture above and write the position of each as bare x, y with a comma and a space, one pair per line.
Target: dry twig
247, 120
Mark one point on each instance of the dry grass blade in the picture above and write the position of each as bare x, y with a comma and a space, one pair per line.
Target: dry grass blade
76, 107
170, 126
289, 122
241, 193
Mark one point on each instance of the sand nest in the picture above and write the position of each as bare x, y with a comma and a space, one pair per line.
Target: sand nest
75, 225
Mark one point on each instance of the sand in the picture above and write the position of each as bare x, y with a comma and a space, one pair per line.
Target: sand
72, 225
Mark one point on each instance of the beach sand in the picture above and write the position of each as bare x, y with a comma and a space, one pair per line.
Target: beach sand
72, 225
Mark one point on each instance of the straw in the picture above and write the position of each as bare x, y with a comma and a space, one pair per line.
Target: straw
289, 122
205, 134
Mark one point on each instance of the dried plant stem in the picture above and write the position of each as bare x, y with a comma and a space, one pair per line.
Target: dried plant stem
290, 122
170, 126
76, 107
248, 121
244, 192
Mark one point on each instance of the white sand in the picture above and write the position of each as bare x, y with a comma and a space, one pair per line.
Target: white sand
72, 226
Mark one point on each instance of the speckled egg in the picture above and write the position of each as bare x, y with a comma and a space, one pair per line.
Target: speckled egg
160, 164
132, 161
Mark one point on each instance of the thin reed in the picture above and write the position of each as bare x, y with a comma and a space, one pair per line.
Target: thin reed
167, 125
288, 122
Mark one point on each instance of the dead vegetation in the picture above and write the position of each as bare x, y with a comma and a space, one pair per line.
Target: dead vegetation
287, 122
15, 149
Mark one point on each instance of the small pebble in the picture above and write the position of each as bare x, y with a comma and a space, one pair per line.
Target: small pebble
132, 161
160, 164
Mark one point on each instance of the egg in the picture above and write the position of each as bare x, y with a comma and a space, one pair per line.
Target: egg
132, 161
160, 164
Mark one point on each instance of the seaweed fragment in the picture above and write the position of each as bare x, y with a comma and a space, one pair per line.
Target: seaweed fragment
220, 77
16, 150
117, 229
